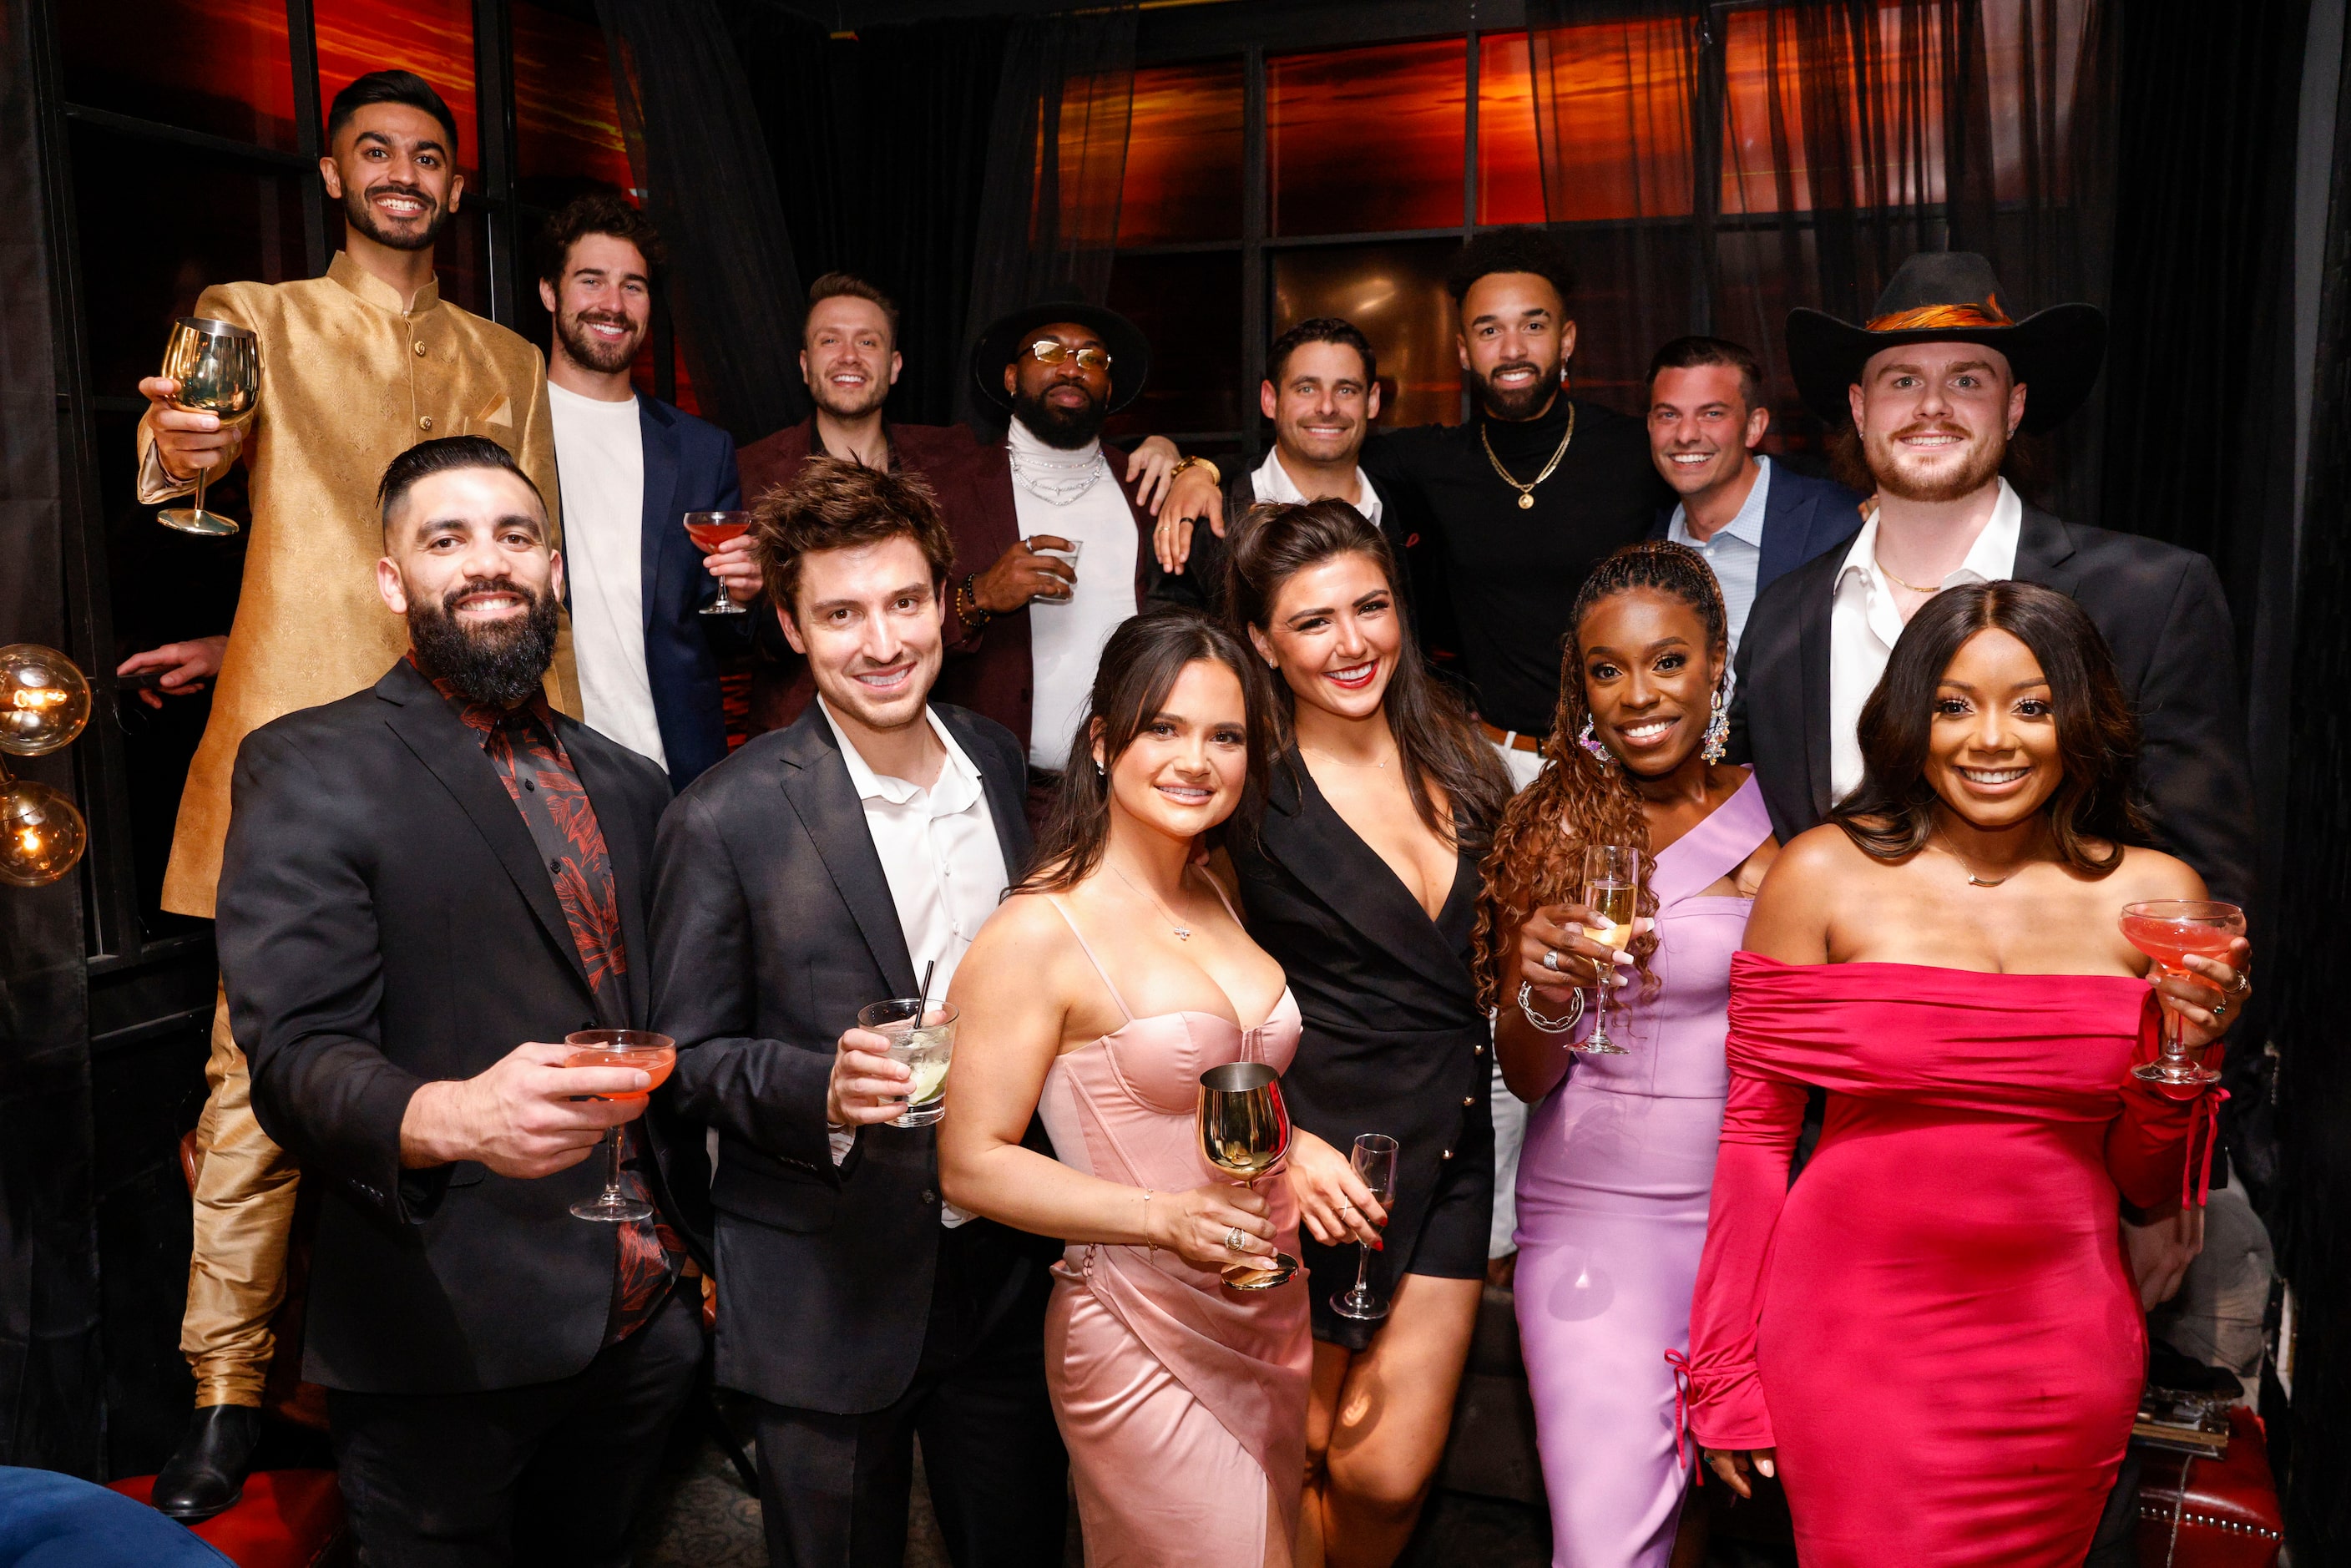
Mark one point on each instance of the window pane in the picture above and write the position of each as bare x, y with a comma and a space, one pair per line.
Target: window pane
434, 38
140, 273
1777, 145
566, 125
1363, 140
1189, 308
1183, 156
1395, 293
1510, 169
220, 66
1620, 94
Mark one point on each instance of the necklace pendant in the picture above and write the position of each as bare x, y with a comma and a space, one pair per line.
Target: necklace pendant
1183, 933
1526, 500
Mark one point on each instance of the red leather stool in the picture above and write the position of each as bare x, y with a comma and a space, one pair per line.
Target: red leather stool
286, 1519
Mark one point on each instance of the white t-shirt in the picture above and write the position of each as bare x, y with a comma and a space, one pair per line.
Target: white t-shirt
1072, 495
599, 458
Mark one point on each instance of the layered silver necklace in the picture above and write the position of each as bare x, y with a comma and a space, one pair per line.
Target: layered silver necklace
1056, 478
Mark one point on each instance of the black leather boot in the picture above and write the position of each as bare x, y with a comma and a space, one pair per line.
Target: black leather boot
206, 1474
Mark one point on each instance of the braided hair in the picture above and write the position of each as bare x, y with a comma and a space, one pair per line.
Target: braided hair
1536, 856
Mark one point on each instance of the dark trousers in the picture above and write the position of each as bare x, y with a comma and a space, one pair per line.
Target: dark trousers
552, 1473
834, 1488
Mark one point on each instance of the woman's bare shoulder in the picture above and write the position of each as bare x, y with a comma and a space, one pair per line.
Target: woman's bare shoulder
2146, 873
1825, 854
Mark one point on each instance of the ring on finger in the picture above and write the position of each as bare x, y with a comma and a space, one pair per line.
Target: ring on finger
2220, 1009
1551, 959
1235, 1241
2244, 984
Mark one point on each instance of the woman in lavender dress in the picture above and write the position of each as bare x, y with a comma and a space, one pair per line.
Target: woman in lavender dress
1619, 1157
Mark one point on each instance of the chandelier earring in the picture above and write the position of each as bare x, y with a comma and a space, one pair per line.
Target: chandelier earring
1718, 722
1592, 745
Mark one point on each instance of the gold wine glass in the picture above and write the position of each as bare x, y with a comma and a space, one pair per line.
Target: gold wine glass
1244, 1131
218, 367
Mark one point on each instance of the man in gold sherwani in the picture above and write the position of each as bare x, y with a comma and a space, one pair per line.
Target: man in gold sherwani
357, 367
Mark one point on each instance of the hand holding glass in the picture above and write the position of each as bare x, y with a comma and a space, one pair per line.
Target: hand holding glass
709, 531
218, 367
1612, 890
1375, 1163
1244, 1131
654, 1054
926, 1051
2168, 930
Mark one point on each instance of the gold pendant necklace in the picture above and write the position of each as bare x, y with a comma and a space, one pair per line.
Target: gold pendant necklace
1949, 848
1527, 492
1183, 932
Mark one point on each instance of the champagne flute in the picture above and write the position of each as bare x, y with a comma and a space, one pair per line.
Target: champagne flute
1375, 1163
1244, 1131
640, 1048
2168, 930
218, 367
1612, 890
709, 531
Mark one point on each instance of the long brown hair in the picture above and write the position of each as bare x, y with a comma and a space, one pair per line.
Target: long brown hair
1433, 734
1140, 665
2092, 813
1580, 800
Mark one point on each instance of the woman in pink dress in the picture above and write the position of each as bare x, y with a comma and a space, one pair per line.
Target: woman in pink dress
1104, 986
1620, 1152
1933, 1335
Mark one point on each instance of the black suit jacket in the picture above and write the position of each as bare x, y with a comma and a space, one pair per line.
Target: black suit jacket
1205, 566
1801, 517
689, 467
2163, 614
385, 921
774, 925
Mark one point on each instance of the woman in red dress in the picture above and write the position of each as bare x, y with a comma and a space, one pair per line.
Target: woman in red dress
1932, 1336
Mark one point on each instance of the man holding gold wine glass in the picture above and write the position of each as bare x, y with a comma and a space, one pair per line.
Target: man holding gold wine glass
355, 368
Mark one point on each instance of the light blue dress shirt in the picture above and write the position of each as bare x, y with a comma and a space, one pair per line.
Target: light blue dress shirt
1736, 551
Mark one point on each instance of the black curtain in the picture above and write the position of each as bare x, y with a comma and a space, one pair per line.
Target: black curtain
880, 146
1049, 218
696, 147
50, 1370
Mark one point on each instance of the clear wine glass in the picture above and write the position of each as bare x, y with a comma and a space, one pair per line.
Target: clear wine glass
1612, 890
640, 1048
1375, 1163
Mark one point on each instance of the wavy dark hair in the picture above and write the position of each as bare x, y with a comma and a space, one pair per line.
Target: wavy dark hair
1140, 665
2092, 812
1579, 800
1433, 733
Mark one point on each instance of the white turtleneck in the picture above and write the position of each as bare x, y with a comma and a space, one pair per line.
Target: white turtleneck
1072, 495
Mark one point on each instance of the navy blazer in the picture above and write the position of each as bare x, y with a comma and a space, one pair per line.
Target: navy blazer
1803, 517
689, 467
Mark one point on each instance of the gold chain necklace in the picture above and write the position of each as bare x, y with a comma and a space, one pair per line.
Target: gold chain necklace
1904, 582
1527, 492
1183, 932
1950, 848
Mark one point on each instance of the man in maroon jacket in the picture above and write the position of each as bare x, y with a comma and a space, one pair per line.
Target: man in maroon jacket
849, 360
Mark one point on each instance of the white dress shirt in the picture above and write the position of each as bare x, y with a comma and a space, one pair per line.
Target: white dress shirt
600, 457
1072, 495
941, 857
1864, 622
1271, 483
1736, 551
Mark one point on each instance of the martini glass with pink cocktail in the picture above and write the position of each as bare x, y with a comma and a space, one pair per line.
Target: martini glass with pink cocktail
652, 1053
2168, 930
709, 530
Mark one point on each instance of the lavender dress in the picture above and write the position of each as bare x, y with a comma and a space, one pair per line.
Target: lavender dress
1612, 1193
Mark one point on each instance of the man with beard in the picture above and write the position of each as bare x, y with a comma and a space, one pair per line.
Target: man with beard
1071, 546
427, 886
1519, 503
1753, 520
850, 362
633, 467
357, 367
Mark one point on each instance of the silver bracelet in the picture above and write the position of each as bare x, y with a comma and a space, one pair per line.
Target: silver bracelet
1548, 1026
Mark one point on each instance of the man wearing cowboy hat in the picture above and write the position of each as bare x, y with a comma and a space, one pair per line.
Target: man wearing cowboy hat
1937, 383
1071, 544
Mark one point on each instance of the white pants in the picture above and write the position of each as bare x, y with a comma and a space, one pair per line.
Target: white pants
1510, 1111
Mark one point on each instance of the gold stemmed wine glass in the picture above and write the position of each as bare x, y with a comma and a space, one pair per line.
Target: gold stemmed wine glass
1244, 1131
218, 367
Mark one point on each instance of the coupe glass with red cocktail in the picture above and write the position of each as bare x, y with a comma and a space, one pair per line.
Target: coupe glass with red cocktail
2168, 930
709, 531
651, 1054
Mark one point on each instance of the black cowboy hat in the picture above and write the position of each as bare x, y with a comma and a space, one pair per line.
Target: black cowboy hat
1007, 337
1951, 297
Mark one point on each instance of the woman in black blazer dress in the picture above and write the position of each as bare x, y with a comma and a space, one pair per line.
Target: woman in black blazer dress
1359, 874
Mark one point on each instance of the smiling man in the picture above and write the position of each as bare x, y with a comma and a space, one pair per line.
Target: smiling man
843, 861
357, 367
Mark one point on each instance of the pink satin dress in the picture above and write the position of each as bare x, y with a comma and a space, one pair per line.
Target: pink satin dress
1182, 1404
1935, 1325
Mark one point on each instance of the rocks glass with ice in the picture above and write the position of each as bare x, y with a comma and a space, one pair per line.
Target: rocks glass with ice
926, 1049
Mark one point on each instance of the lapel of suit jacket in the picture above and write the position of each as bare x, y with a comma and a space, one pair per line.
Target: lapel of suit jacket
2044, 552
1313, 843
1143, 558
1785, 531
816, 782
659, 438
1812, 617
430, 728
607, 794
1007, 794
